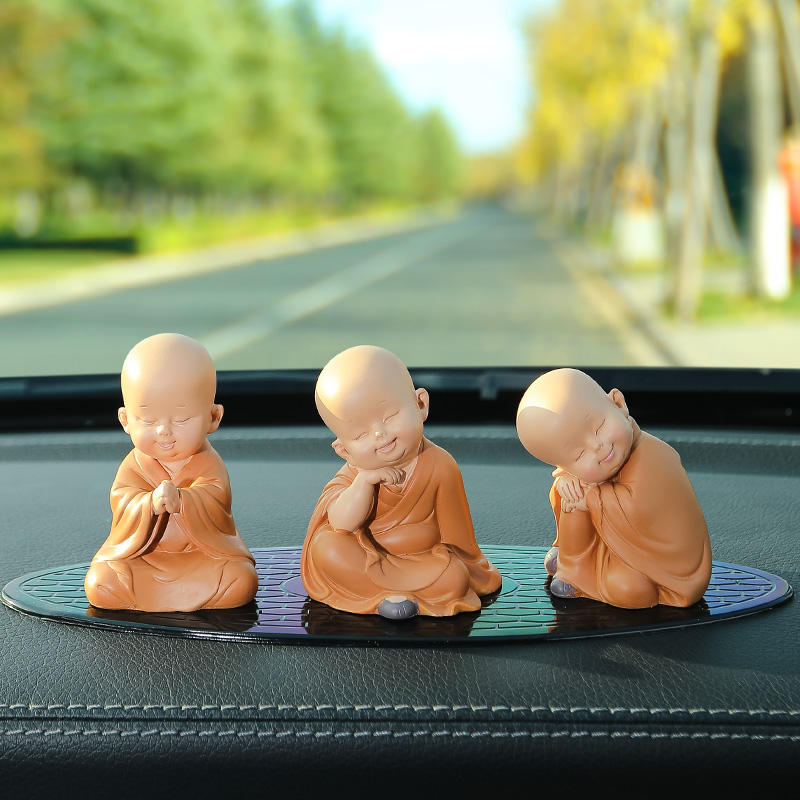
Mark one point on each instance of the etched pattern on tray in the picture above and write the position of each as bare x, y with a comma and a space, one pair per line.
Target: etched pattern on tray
523, 606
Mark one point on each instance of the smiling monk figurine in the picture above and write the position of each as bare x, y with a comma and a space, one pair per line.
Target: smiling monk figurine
630, 531
173, 544
392, 532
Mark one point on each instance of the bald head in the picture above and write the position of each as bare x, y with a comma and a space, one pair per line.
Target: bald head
356, 381
166, 362
554, 405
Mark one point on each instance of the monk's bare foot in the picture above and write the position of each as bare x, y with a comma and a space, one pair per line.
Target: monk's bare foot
563, 589
398, 607
551, 561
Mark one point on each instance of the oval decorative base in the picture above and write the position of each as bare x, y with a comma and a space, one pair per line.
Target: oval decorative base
523, 608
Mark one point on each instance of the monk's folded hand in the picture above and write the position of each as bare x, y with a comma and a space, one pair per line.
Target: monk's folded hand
166, 497
569, 488
572, 492
386, 475
579, 506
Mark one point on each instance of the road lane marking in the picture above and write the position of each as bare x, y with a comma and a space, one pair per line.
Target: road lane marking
634, 333
311, 299
137, 271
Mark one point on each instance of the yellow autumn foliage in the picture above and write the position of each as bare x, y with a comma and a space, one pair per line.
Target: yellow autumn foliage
593, 64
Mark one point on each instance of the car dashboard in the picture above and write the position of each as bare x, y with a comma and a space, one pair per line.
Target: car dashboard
123, 714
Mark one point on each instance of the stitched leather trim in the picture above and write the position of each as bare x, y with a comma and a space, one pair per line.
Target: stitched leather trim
399, 707
397, 734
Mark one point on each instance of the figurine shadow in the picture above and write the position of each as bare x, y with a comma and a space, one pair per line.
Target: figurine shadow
584, 616
226, 620
323, 621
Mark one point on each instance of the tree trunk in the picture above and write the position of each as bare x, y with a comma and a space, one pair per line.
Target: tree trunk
704, 103
789, 17
769, 208
675, 152
723, 228
645, 139
598, 213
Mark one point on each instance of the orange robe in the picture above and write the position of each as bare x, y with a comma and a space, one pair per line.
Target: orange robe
418, 542
184, 561
643, 540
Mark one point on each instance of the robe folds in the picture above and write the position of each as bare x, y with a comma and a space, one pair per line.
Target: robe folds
643, 540
418, 542
183, 561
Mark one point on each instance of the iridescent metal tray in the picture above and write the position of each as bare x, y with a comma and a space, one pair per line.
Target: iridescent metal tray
523, 608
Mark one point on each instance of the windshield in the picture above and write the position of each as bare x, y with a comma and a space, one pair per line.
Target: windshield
466, 183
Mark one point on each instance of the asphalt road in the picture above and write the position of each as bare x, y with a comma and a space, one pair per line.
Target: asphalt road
484, 289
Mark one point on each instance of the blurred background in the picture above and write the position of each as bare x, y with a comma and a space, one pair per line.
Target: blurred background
473, 183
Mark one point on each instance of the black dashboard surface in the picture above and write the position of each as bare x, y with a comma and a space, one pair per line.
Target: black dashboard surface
121, 713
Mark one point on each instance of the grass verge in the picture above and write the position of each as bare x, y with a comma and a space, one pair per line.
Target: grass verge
19, 267
171, 235
724, 307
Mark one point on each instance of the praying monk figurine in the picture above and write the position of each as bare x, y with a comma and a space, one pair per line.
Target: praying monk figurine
630, 531
392, 532
173, 544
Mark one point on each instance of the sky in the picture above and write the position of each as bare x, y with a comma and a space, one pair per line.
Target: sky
466, 57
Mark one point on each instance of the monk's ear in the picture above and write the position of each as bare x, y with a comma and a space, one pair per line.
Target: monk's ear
122, 416
216, 417
340, 450
618, 399
423, 403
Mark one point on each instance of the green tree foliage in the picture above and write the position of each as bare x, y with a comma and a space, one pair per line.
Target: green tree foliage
27, 35
283, 142
440, 169
143, 100
235, 100
370, 130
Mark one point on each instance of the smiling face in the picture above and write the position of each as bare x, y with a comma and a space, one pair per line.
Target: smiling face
169, 426
595, 439
168, 385
386, 431
566, 420
366, 397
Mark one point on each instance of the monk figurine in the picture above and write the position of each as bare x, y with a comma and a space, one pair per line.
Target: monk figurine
630, 531
173, 544
392, 532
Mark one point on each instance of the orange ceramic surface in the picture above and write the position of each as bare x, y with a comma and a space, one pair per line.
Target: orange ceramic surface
173, 544
394, 522
630, 530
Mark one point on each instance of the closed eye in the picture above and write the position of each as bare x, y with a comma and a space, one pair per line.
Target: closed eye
360, 436
147, 421
181, 421
600, 425
390, 416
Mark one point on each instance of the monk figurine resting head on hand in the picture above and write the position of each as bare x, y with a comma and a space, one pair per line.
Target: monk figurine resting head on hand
392, 532
629, 528
173, 544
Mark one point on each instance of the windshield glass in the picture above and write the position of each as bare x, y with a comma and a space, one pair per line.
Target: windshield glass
466, 183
